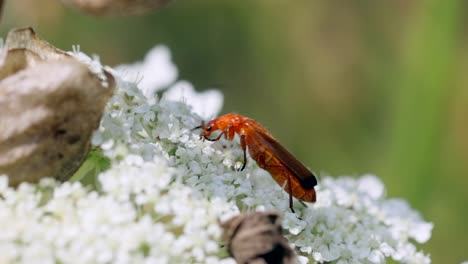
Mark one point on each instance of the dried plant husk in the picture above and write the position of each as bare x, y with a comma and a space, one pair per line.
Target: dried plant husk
117, 7
257, 238
50, 105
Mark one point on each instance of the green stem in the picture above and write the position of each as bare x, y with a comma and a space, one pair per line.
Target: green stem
421, 100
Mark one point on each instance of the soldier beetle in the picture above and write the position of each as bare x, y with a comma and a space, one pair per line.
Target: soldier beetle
270, 155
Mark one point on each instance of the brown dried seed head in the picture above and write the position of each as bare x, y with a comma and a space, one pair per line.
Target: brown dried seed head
257, 238
50, 105
117, 7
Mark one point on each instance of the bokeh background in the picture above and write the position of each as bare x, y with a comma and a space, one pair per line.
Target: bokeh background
350, 87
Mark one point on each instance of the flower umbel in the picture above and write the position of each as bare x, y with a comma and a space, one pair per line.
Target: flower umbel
166, 190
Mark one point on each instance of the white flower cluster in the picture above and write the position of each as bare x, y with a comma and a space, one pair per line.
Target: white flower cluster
166, 190
137, 218
352, 222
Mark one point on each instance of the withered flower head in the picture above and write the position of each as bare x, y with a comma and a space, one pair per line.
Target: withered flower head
117, 7
50, 105
257, 238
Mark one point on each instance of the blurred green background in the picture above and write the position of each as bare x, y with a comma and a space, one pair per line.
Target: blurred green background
350, 87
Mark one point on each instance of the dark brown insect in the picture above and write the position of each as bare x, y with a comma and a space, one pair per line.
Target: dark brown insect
269, 154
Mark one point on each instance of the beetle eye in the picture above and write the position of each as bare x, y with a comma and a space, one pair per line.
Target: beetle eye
208, 128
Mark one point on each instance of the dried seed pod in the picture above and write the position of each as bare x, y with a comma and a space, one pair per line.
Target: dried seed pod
24, 49
257, 238
50, 105
117, 7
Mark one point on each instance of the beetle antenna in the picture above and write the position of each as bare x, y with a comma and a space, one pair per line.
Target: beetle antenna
198, 127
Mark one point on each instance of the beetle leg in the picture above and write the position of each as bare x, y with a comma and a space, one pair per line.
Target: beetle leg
305, 205
228, 132
244, 148
290, 194
217, 138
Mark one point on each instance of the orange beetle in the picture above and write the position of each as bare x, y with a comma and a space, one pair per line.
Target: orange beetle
269, 154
